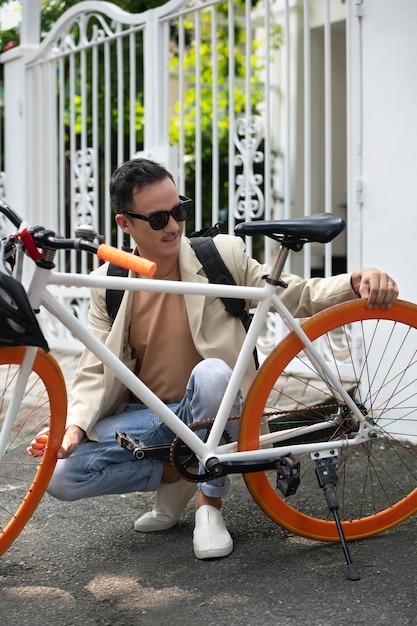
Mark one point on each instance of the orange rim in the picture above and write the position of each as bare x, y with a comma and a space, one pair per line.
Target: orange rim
50, 374
258, 484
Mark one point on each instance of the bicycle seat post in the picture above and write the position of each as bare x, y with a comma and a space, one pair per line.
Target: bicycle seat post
278, 265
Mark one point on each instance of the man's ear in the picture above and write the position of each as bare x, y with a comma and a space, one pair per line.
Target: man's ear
123, 222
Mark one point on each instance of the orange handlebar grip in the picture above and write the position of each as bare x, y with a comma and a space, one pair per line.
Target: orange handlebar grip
125, 259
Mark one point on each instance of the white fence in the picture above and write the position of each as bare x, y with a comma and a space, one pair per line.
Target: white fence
246, 106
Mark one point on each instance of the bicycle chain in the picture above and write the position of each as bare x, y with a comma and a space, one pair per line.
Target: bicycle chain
179, 450
300, 411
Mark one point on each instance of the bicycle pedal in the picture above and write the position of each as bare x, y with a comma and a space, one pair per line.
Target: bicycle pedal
140, 450
288, 475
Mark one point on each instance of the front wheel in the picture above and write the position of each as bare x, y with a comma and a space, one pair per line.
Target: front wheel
373, 353
23, 479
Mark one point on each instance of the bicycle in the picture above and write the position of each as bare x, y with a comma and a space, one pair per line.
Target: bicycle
344, 425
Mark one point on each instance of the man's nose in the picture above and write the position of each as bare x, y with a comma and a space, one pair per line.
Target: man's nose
172, 223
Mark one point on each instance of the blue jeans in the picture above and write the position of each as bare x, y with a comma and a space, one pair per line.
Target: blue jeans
104, 467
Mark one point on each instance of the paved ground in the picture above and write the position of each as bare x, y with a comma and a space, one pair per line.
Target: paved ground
82, 563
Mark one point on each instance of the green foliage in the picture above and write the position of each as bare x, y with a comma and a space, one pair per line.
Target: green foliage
9, 39
200, 56
51, 11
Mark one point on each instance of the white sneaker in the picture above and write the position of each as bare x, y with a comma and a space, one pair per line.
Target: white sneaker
211, 537
170, 502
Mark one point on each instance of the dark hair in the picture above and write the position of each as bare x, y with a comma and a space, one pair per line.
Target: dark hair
131, 175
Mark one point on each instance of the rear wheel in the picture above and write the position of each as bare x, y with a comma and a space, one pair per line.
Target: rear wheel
374, 355
23, 479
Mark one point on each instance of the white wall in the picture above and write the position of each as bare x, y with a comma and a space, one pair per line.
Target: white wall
389, 212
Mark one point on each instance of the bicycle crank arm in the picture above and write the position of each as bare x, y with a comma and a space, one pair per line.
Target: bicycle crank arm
223, 468
139, 450
287, 469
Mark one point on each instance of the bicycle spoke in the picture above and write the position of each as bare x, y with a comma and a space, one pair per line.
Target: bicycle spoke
373, 355
23, 479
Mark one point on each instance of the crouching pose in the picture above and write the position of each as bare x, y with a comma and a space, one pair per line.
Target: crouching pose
182, 347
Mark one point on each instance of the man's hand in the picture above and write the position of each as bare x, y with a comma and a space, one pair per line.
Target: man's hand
378, 288
38, 445
72, 437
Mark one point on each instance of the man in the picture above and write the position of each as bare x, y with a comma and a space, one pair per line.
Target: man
182, 347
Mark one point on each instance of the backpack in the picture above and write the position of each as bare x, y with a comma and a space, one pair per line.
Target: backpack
213, 265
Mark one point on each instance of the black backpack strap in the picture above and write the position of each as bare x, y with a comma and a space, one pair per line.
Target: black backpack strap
114, 296
211, 231
218, 273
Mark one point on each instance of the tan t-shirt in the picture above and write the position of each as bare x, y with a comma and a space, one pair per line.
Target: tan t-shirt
160, 335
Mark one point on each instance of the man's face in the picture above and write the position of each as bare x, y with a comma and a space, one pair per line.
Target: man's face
155, 245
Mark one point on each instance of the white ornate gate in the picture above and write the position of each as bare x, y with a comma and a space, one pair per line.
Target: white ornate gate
220, 92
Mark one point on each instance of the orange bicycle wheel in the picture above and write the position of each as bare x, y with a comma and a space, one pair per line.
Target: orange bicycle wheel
374, 355
23, 479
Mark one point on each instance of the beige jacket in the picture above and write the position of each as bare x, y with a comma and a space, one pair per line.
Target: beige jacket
96, 393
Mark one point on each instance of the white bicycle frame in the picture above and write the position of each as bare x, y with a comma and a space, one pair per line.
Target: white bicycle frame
267, 299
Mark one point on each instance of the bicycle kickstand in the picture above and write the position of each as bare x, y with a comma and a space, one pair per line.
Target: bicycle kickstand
327, 476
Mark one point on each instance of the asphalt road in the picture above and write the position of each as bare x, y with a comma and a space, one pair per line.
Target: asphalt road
82, 563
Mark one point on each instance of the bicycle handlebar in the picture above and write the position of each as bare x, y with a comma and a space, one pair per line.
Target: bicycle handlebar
126, 259
39, 237
10, 213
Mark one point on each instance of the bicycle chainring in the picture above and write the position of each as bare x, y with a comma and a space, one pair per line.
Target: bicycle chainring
185, 460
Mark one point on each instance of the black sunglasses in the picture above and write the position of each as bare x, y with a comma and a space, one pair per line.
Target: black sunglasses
159, 219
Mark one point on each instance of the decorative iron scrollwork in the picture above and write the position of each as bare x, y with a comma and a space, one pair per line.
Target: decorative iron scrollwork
249, 197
